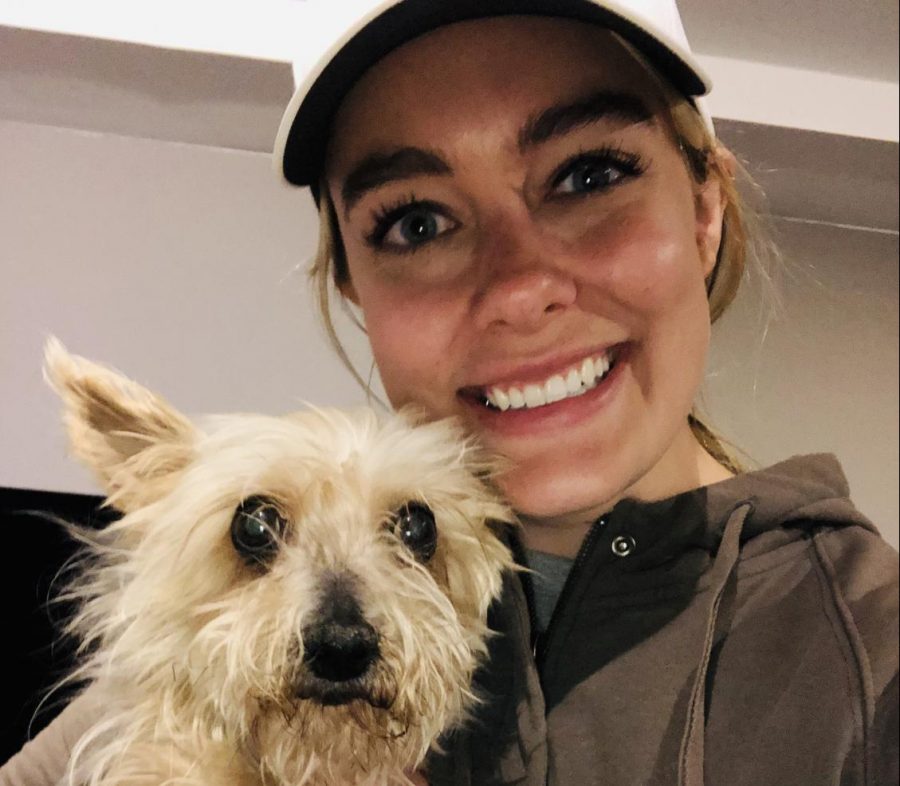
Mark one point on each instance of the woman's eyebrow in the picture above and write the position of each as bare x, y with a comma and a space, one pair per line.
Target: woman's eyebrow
377, 169
562, 118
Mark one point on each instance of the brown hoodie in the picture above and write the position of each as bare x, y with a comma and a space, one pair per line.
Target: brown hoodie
743, 634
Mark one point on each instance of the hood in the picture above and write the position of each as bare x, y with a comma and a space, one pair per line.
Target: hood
800, 492
781, 502
710, 530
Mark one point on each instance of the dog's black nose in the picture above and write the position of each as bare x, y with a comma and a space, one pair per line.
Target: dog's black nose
338, 643
338, 651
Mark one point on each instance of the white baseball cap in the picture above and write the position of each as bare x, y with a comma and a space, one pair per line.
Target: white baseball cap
356, 34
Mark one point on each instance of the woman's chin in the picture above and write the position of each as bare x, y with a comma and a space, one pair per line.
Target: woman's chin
560, 493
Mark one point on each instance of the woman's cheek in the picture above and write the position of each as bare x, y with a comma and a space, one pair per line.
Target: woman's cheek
409, 343
639, 260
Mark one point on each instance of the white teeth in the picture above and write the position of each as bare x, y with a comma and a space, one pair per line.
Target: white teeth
555, 389
534, 396
500, 399
587, 372
576, 382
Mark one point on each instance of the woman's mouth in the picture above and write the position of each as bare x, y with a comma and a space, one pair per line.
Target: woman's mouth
573, 382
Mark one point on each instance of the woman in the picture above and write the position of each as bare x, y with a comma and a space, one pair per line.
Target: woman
537, 226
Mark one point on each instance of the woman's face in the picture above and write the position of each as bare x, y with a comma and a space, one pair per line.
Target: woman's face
516, 219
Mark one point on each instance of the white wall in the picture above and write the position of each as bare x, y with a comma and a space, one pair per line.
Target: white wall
817, 372
179, 264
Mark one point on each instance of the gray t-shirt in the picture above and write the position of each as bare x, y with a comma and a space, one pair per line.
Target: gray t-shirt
547, 581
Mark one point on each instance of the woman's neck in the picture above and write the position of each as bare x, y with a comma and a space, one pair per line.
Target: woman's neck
683, 467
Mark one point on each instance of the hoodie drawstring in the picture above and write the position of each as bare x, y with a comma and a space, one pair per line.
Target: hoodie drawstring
691, 758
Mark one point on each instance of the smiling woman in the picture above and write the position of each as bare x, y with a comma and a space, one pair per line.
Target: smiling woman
527, 204
484, 263
538, 228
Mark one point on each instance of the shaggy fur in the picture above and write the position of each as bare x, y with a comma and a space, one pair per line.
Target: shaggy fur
197, 656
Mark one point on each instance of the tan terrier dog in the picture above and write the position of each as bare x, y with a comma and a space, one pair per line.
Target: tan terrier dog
293, 601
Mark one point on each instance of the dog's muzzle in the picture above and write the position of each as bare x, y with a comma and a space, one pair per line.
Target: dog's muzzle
339, 649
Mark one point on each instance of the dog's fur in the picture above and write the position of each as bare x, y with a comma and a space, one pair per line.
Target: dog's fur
197, 656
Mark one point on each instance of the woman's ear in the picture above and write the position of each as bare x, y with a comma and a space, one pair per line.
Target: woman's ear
710, 201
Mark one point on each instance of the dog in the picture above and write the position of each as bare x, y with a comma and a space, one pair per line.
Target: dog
288, 601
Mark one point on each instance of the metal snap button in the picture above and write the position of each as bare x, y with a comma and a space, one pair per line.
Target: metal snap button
623, 545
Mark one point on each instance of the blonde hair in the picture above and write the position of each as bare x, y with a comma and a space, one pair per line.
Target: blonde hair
744, 241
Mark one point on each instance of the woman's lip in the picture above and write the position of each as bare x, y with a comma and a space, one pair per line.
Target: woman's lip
537, 373
527, 421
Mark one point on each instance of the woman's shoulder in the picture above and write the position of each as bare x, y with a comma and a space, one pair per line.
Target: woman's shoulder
811, 494
802, 506
805, 493
861, 571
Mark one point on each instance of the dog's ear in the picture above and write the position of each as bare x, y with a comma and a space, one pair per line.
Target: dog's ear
132, 439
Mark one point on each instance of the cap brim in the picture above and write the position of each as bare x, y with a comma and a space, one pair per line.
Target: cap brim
303, 136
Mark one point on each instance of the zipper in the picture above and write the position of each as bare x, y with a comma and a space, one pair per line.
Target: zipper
518, 550
541, 643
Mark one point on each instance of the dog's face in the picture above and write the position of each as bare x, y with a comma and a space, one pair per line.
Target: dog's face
313, 588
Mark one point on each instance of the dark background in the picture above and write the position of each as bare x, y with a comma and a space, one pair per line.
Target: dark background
35, 548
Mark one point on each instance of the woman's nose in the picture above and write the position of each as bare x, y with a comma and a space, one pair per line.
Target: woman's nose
524, 283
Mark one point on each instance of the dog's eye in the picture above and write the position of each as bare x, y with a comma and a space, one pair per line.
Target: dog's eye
414, 525
255, 529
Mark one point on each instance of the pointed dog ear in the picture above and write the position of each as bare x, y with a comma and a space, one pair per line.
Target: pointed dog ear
133, 440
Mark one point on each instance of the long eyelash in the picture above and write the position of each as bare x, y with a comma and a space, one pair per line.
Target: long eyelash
631, 163
385, 216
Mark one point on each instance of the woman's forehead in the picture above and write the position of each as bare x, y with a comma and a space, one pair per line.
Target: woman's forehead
482, 75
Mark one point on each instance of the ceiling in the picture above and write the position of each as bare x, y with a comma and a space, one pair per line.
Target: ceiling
219, 100
848, 37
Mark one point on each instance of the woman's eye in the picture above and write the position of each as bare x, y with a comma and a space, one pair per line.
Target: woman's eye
410, 226
589, 177
589, 173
